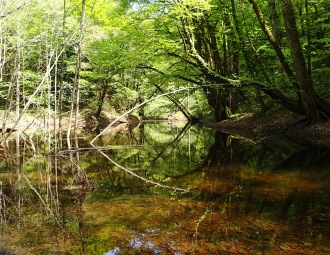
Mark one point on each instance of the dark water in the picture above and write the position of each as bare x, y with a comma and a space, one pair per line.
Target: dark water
166, 189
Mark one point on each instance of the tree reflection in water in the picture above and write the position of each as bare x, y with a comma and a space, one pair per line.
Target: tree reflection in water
270, 197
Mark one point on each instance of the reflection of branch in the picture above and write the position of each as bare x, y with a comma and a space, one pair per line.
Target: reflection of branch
140, 177
200, 221
133, 146
41, 199
132, 109
231, 84
76, 150
176, 140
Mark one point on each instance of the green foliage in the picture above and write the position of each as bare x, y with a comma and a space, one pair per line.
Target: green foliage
124, 98
160, 108
131, 46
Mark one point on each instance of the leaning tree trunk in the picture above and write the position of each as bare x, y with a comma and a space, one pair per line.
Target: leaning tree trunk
303, 77
274, 20
275, 44
199, 36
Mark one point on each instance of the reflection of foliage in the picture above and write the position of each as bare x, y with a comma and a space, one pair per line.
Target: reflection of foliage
183, 147
244, 198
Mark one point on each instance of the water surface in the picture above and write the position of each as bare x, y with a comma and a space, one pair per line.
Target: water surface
166, 189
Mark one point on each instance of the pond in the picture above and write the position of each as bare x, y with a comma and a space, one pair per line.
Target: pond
165, 188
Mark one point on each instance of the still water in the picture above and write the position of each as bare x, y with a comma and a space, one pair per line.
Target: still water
165, 189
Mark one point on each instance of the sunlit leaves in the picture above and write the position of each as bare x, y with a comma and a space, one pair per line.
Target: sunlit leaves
191, 8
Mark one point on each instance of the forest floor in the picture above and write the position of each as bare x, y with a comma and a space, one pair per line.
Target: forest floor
259, 126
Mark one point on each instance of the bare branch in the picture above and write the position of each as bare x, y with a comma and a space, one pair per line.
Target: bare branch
15, 10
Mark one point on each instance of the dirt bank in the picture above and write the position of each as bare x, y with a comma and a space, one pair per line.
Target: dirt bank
259, 126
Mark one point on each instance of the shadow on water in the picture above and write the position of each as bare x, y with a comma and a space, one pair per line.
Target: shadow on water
166, 189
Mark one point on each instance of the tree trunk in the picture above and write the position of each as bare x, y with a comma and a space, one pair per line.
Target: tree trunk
309, 38
252, 64
302, 75
274, 20
61, 81
199, 36
17, 76
102, 97
275, 44
220, 100
79, 61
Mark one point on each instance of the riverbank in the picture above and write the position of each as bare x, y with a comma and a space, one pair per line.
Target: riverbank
258, 126
253, 126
